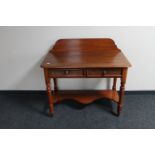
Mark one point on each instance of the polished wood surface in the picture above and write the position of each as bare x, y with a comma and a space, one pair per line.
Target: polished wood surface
86, 96
85, 53
85, 58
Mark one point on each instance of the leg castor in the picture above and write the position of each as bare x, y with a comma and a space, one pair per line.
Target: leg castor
119, 109
50, 114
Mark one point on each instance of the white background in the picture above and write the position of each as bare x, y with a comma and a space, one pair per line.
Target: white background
22, 50
78, 12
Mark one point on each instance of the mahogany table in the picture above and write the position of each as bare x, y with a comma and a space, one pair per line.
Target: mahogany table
85, 58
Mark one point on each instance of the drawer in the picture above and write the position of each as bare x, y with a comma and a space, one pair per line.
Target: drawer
109, 72
65, 72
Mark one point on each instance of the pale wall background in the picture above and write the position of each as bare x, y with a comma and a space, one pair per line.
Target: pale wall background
23, 48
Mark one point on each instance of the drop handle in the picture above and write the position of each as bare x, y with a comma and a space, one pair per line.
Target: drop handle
104, 72
67, 72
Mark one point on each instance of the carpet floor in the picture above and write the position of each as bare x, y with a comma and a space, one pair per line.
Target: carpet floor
29, 111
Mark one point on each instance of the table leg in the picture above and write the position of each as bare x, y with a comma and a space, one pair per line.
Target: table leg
49, 93
55, 84
122, 88
114, 84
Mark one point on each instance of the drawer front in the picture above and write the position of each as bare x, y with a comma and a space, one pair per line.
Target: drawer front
109, 72
65, 72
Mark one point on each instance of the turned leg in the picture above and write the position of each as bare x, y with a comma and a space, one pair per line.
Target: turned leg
114, 84
122, 88
49, 93
55, 84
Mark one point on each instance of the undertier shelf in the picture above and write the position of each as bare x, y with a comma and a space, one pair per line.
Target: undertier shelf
85, 96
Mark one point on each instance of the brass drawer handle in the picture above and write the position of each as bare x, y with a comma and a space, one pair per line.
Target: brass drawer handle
67, 72
104, 72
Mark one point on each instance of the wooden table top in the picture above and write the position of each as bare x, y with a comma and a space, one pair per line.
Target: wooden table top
85, 53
